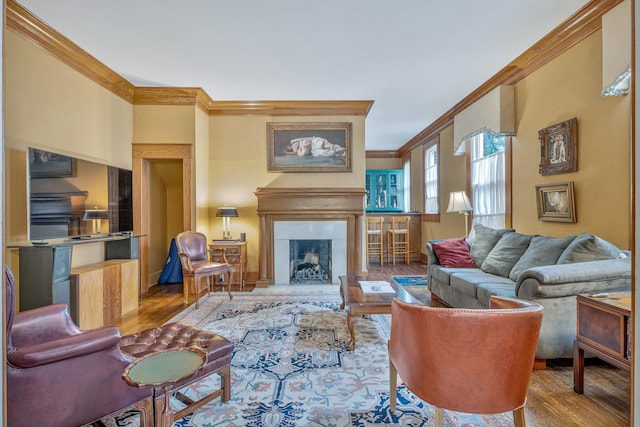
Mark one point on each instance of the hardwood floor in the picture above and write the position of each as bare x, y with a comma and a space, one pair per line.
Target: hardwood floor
551, 401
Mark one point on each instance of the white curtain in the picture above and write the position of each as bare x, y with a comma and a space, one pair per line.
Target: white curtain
431, 182
407, 184
488, 186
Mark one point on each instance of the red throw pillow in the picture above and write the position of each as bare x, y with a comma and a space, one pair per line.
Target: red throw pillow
453, 253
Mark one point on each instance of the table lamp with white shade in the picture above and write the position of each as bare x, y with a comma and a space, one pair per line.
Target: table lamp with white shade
226, 213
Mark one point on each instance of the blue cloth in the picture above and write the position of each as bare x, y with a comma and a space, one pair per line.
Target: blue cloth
172, 271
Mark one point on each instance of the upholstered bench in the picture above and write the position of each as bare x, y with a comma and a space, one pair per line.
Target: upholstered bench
176, 336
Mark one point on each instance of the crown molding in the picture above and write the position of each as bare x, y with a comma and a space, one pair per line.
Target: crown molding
574, 29
148, 95
27, 25
580, 25
290, 108
382, 154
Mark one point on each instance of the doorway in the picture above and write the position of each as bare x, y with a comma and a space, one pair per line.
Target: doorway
151, 196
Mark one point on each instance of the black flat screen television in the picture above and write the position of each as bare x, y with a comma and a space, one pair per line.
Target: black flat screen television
70, 197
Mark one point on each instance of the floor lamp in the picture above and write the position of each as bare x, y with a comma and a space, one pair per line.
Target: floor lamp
459, 202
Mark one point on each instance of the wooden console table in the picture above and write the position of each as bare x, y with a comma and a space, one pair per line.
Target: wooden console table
603, 330
236, 255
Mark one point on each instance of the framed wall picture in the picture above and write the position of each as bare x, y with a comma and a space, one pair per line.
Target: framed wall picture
45, 164
558, 148
309, 147
556, 202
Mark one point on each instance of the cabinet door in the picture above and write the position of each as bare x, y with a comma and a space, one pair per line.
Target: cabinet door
396, 190
380, 196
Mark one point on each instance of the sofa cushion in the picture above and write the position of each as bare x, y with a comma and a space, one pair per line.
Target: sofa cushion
485, 238
542, 250
466, 281
453, 253
506, 253
505, 288
587, 247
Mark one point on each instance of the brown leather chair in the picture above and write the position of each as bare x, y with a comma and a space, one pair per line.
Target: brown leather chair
59, 375
474, 361
194, 256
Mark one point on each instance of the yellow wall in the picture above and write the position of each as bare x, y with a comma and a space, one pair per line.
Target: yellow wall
50, 106
569, 86
158, 205
390, 163
202, 185
238, 166
164, 124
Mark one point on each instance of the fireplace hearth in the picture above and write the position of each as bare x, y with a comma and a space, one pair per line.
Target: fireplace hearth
310, 261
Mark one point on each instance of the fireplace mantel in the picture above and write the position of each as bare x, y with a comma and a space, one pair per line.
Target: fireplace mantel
309, 204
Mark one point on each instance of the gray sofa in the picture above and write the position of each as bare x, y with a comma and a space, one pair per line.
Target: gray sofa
550, 271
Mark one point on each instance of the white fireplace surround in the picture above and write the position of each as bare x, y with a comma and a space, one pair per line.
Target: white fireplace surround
283, 231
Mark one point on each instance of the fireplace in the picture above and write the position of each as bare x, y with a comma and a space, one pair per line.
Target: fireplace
335, 214
310, 261
326, 240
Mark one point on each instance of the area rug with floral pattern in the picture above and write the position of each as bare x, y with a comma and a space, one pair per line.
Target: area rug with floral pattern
291, 367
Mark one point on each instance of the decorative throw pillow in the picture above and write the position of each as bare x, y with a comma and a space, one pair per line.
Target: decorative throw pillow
506, 253
485, 238
453, 253
587, 247
542, 250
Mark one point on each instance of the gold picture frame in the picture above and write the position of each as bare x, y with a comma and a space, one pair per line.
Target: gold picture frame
309, 147
556, 202
558, 148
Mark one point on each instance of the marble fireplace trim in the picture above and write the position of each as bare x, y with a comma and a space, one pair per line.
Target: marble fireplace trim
336, 231
309, 204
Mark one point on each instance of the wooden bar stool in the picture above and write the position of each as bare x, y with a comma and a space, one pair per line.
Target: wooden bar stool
398, 238
375, 238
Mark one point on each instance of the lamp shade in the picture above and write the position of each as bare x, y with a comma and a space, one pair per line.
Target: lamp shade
459, 202
227, 212
95, 214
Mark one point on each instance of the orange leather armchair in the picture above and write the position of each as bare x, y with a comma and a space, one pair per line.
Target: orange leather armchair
473, 361
194, 256
59, 375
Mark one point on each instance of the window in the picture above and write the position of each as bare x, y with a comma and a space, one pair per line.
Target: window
431, 205
488, 179
406, 165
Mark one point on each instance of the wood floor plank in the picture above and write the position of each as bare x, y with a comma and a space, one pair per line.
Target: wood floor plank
551, 401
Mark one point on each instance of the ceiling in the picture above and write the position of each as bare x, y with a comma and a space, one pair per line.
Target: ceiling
414, 58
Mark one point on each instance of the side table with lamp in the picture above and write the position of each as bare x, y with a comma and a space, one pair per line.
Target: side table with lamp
234, 250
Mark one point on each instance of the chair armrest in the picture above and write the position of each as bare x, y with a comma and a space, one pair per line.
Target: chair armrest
186, 263
42, 324
65, 348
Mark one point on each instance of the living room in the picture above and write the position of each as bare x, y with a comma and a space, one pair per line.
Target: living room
110, 119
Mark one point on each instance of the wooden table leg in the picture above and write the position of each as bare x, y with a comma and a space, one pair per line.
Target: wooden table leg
578, 368
352, 342
342, 297
166, 418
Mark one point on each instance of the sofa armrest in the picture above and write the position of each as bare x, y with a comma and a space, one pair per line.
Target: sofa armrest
42, 324
432, 258
65, 348
554, 281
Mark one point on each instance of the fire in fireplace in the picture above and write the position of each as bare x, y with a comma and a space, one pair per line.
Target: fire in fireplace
310, 261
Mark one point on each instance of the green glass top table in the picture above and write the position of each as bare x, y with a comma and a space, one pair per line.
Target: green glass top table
162, 370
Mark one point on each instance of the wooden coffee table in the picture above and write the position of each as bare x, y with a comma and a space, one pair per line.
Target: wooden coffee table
358, 303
